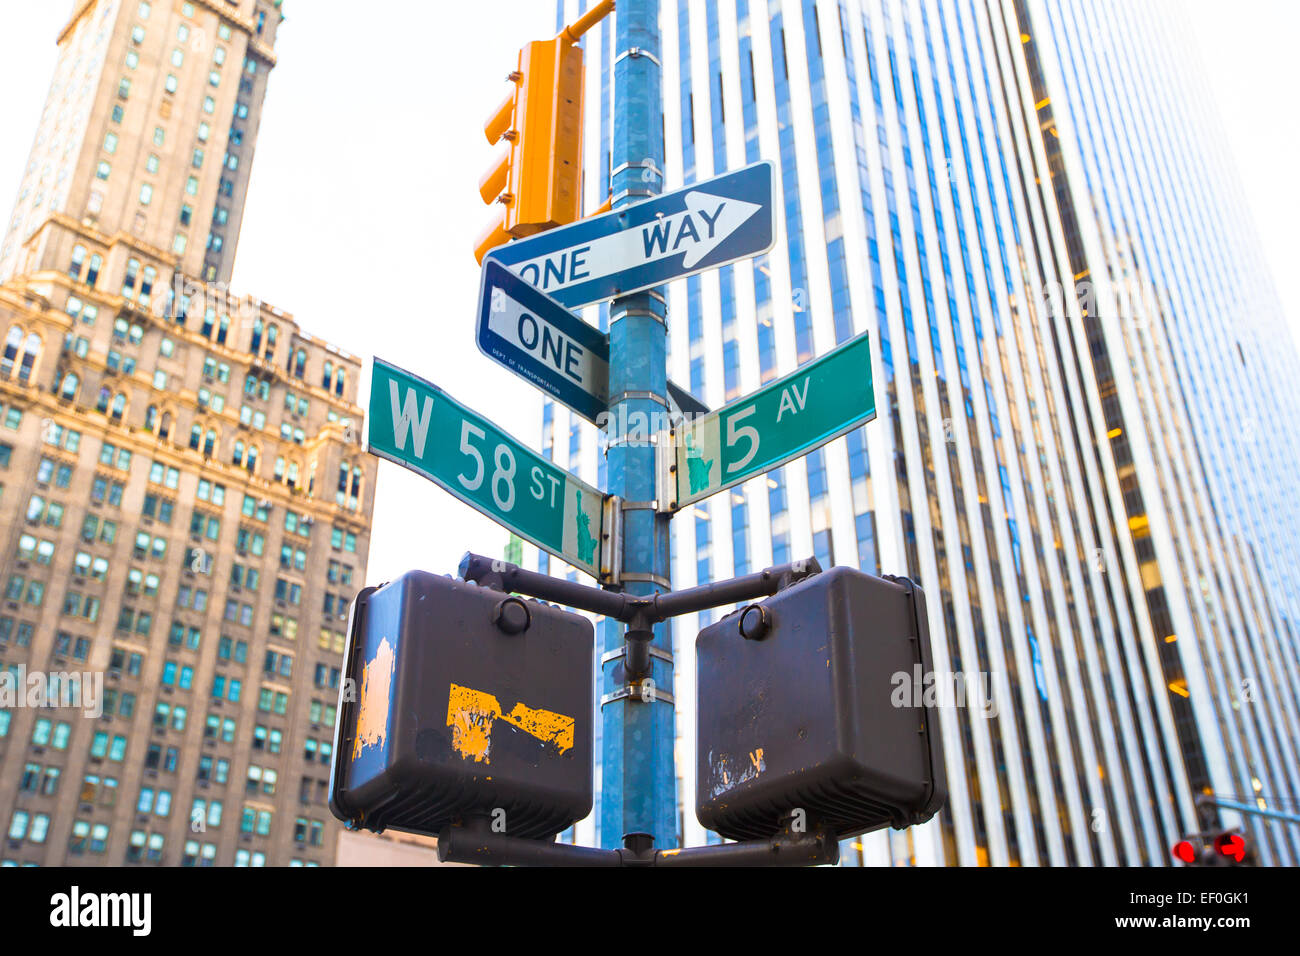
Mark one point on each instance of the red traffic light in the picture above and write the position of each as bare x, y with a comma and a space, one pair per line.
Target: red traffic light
1185, 851
1231, 845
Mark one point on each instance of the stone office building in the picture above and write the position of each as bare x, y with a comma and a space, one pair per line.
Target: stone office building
184, 499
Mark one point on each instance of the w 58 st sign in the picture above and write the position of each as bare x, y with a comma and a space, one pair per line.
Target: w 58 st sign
419, 426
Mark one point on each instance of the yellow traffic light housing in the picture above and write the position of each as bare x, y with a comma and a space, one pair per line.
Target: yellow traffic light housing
538, 180
546, 171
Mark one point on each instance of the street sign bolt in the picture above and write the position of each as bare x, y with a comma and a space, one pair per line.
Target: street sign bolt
755, 622
512, 616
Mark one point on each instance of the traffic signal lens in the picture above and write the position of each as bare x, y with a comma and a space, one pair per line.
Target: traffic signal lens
1185, 851
495, 180
495, 235
1231, 845
499, 122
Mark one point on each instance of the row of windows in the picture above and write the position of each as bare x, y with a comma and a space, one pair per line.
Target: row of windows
56, 735
19, 632
200, 440
202, 524
41, 511
21, 351
138, 283
171, 85
277, 663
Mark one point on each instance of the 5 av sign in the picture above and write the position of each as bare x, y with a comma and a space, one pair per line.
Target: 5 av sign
781, 421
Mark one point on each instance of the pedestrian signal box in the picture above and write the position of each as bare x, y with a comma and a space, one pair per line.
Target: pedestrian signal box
799, 720
462, 701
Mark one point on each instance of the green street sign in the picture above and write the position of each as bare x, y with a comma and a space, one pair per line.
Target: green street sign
787, 418
419, 426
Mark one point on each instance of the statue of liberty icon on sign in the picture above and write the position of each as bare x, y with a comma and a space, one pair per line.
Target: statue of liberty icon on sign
586, 543
697, 466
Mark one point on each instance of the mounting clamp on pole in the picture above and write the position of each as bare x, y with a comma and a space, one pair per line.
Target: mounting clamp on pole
611, 553
640, 632
666, 470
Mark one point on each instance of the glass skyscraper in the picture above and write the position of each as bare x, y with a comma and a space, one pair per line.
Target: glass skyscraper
1083, 379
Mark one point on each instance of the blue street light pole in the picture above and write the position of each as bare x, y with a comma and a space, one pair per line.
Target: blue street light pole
638, 783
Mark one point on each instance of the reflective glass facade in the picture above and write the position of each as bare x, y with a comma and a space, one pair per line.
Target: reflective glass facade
1083, 382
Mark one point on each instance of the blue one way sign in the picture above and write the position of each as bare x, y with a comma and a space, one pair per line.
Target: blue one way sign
701, 227
541, 341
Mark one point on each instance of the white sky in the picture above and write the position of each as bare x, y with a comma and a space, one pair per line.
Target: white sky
364, 200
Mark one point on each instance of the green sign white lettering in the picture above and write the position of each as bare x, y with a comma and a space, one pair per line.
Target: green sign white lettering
781, 421
419, 426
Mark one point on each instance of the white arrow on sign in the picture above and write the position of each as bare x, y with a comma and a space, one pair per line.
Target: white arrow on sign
696, 231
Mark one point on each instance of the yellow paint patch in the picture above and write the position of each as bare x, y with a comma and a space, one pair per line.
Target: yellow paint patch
546, 725
376, 694
471, 715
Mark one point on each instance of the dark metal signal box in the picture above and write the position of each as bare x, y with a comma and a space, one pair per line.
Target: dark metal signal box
460, 701
798, 710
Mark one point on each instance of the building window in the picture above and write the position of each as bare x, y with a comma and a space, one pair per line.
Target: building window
128, 283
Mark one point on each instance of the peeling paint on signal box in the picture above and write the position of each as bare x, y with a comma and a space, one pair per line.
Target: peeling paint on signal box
471, 715
376, 695
724, 774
